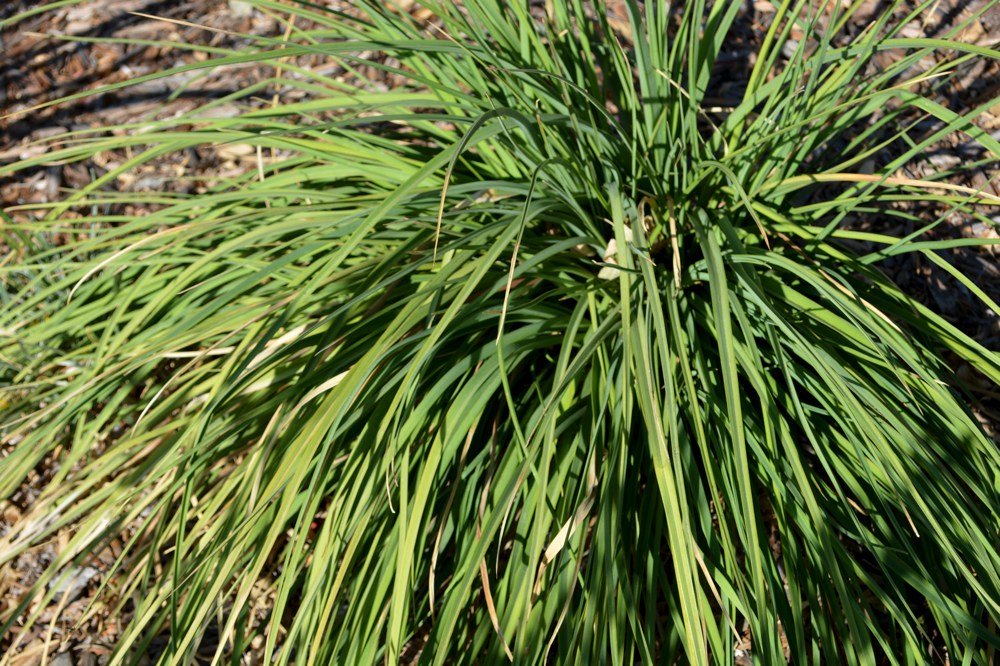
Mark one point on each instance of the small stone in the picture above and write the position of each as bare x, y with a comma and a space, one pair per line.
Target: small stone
240, 8
62, 659
789, 48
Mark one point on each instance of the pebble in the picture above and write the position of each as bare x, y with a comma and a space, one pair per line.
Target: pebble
62, 659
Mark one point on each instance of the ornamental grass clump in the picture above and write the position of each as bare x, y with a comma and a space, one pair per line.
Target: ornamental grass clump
539, 354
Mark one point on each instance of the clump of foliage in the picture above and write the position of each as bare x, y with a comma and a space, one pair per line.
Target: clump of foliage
533, 355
